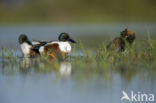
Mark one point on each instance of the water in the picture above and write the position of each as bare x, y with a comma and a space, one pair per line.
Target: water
24, 81
9, 34
21, 83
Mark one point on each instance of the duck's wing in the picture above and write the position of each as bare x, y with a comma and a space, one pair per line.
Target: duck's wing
36, 46
36, 49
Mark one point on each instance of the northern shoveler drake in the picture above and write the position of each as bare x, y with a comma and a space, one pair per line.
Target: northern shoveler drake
59, 48
28, 49
52, 48
118, 43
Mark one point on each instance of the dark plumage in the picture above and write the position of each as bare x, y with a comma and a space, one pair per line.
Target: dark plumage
118, 44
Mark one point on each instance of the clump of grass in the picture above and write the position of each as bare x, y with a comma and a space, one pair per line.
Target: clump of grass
139, 54
3, 52
149, 40
10, 55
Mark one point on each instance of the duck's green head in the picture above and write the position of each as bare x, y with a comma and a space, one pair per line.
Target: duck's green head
22, 38
65, 37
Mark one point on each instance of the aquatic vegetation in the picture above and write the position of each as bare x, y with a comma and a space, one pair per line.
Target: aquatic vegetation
8, 55
138, 56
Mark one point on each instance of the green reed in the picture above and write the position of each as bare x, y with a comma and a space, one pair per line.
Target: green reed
141, 54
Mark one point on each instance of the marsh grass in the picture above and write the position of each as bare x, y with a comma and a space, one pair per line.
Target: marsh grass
8, 55
140, 55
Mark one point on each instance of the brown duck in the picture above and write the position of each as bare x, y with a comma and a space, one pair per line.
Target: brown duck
119, 43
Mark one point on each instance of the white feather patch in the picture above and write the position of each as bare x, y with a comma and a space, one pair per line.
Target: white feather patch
25, 47
41, 49
36, 42
63, 46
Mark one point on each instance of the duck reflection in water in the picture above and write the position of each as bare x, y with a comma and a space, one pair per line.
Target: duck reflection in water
28, 64
65, 68
25, 65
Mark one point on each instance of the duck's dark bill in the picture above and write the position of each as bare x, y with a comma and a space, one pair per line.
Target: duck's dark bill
71, 40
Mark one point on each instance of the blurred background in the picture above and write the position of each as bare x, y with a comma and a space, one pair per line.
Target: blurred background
77, 11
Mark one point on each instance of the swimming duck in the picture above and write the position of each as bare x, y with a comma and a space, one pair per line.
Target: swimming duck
58, 48
52, 48
118, 43
28, 49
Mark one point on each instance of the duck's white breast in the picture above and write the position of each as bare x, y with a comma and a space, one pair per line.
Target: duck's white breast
65, 47
25, 48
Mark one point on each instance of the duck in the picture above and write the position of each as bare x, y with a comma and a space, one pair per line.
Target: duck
119, 43
57, 48
27, 47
